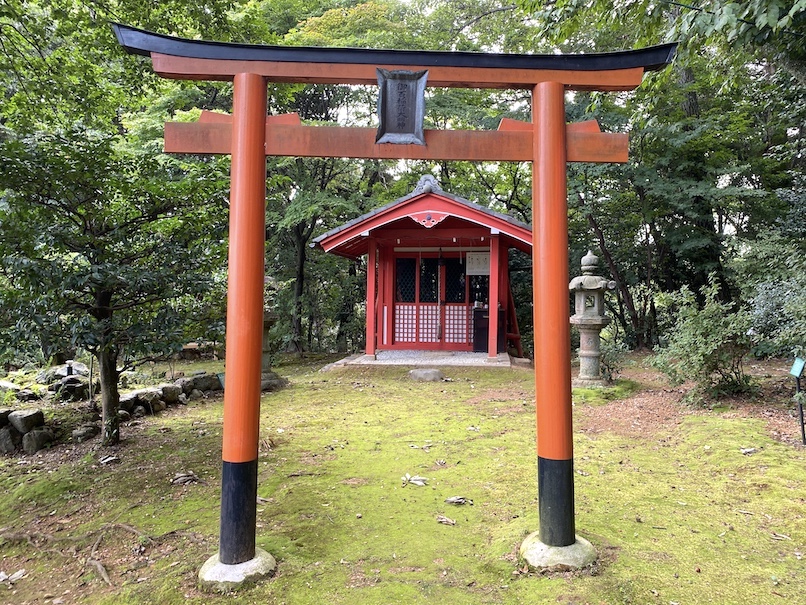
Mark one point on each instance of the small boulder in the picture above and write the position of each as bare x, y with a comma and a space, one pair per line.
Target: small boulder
124, 416
27, 395
426, 375
144, 397
158, 406
26, 420
85, 432
4, 416
149, 398
76, 367
46, 376
56, 372
170, 393
37, 439
128, 401
269, 382
195, 394
138, 411
74, 388
202, 382
10, 439
6, 386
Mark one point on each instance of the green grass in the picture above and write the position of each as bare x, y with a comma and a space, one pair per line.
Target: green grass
678, 516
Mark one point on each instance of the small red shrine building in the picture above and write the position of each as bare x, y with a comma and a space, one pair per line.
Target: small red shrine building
436, 265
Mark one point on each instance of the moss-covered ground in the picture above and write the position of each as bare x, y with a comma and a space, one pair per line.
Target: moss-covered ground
678, 513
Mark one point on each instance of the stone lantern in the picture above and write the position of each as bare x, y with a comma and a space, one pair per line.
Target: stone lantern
589, 317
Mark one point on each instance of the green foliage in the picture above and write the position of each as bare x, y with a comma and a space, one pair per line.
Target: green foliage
707, 344
613, 356
105, 251
772, 29
772, 270
708, 159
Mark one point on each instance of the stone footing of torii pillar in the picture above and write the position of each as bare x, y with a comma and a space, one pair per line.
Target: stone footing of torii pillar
557, 558
215, 576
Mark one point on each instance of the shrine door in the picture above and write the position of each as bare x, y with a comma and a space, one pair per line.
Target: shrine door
431, 303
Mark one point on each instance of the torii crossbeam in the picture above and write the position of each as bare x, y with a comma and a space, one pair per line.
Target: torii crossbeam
249, 135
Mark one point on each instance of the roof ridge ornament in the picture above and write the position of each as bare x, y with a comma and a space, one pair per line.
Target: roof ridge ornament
427, 184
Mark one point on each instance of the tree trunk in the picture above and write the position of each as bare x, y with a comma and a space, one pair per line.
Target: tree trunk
347, 312
299, 288
110, 398
107, 355
637, 321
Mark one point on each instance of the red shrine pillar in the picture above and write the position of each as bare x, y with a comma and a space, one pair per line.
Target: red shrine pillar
494, 297
372, 256
247, 233
555, 471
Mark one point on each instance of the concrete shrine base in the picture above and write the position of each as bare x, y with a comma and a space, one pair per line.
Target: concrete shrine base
215, 576
557, 558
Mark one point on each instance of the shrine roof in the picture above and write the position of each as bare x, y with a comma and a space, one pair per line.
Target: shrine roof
426, 206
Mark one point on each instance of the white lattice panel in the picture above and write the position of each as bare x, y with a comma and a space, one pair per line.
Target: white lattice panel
406, 323
457, 323
429, 323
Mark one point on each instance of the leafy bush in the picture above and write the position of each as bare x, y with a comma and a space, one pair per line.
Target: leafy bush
707, 344
771, 270
779, 317
613, 354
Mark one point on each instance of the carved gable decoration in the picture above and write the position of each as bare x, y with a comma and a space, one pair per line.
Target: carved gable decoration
428, 218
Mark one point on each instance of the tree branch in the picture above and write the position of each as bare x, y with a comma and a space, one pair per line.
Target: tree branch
478, 18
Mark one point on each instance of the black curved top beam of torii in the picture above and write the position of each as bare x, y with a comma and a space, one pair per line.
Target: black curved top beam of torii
142, 42
461, 68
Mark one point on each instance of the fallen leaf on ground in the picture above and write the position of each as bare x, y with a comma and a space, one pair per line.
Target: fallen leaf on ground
184, 478
18, 575
415, 480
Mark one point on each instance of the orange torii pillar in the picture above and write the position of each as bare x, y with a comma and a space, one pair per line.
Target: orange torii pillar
555, 472
247, 234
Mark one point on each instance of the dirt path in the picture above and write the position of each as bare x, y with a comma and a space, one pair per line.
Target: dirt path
657, 407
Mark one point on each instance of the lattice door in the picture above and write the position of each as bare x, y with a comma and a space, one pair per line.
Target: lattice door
431, 302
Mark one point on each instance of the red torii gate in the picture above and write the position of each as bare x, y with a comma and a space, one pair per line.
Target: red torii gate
249, 135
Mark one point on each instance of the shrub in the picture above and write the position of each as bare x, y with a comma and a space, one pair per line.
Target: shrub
707, 344
779, 316
613, 355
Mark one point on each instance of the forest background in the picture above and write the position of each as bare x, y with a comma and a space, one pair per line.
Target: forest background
110, 246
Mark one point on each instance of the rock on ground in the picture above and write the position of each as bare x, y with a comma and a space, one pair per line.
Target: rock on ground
201, 382
36, 439
10, 439
85, 432
26, 420
426, 375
